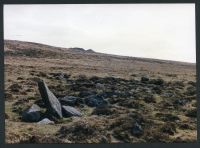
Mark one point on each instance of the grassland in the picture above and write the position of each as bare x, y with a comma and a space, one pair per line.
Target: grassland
149, 100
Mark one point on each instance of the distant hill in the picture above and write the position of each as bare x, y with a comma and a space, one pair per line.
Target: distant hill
38, 50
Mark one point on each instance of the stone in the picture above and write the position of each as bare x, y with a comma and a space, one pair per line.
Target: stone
100, 86
102, 111
168, 94
169, 128
157, 81
178, 83
69, 100
192, 83
192, 113
60, 76
31, 114
86, 93
149, 99
180, 102
52, 103
45, 121
40, 103
15, 87
191, 90
167, 117
185, 126
69, 111
144, 79
106, 94
8, 96
157, 89
95, 101
137, 129
104, 139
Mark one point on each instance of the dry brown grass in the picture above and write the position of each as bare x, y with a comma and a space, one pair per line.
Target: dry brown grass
113, 128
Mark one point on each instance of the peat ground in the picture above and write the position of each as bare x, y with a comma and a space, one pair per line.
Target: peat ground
147, 100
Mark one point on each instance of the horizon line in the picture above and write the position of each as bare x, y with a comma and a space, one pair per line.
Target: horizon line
55, 46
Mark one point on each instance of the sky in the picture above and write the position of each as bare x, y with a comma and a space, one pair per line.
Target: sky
161, 31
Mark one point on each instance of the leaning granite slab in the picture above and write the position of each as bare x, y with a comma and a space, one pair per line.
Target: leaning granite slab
50, 100
45, 121
69, 111
31, 114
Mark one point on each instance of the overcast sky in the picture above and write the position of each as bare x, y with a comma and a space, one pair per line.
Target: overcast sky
162, 31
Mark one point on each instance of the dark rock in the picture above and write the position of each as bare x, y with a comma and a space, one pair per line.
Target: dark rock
42, 74
192, 83
167, 117
157, 81
82, 78
190, 91
136, 116
40, 103
31, 114
95, 101
60, 76
137, 129
49, 99
184, 126
106, 94
104, 139
20, 78
15, 87
100, 86
86, 93
192, 113
144, 79
45, 121
82, 86
95, 79
168, 94
102, 111
8, 96
180, 101
169, 128
123, 94
109, 80
178, 83
149, 99
69, 100
69, 111
157, 89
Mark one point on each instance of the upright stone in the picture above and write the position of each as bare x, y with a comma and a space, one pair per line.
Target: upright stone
50, 100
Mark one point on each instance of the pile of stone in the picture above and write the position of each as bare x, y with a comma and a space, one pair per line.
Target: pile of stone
54, 107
